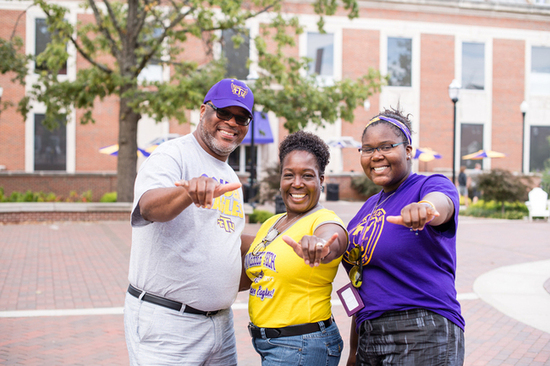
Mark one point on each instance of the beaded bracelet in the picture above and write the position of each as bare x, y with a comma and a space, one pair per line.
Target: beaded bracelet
429, 203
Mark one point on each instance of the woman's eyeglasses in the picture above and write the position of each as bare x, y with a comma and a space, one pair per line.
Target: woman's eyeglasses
368, 151
225, 115
355, 257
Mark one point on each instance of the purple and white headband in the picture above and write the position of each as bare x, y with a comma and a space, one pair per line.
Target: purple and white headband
403, 127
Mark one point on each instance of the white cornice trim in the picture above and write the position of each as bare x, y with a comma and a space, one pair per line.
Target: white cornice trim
458, 7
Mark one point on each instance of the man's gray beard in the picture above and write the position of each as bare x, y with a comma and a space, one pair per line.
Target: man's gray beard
212, 143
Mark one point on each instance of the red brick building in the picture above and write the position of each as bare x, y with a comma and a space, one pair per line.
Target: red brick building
498, 51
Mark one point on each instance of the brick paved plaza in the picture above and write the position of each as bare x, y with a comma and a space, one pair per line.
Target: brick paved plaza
62, 288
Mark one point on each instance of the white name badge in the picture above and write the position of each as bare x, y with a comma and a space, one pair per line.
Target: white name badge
350, 298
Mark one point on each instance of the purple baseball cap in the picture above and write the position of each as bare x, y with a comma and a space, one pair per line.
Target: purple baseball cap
231, 92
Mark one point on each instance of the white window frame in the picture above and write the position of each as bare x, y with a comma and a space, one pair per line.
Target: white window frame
384, 50
156, 73
39, 108
537, 114
336, 31
464, 110
408, 97
484, 43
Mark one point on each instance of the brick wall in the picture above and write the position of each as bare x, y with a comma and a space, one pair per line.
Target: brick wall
12, 125
27, 217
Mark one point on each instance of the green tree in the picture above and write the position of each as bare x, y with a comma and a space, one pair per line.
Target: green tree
125, 36
502, 186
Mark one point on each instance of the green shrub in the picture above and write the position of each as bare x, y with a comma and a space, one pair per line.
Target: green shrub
16, 197
364, 186
259, 216
51, 197
493, 209
502, 186
108, 197
30, 196
86, 196
73, 197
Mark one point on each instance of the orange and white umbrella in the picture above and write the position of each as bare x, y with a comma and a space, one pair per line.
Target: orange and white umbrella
426, 154
113, 150
482, 154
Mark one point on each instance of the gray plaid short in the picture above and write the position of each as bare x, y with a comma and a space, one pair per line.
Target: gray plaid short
411, 337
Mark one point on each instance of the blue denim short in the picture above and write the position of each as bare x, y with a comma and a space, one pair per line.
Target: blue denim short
320, 348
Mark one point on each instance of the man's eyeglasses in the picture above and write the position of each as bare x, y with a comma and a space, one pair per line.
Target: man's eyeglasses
225, 115
355, 257
368, 151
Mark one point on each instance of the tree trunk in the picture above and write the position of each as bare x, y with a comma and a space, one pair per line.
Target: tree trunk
127, 151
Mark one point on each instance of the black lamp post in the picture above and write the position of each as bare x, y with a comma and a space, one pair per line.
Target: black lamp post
523, 107
251, 79
454, 87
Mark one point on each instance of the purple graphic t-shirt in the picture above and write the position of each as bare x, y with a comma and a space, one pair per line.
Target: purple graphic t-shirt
401, 270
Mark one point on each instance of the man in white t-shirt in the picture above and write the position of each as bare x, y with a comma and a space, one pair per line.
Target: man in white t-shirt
187, 220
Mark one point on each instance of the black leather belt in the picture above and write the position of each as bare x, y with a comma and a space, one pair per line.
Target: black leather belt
170, 304
289, 331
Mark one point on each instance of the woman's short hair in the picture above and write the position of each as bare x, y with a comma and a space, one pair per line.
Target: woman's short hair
306, 141
394, 113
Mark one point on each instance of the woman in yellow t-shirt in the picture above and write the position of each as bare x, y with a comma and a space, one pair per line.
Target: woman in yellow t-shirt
292, 262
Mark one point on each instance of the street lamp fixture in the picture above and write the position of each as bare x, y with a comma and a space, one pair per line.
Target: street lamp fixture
523, 107
1, 92
454, 87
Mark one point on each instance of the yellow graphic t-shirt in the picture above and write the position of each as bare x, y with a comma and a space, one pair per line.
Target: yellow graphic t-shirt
285, 291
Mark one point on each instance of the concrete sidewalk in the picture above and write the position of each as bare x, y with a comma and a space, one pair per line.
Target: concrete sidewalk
62, 289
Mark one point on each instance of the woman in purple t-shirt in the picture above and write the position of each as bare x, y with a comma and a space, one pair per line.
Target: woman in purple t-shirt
402, 257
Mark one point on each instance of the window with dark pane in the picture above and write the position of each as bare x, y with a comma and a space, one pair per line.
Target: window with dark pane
41, 40
399, 61
539, 151
236, 57
471, 140
540, 71
320, 49
473, 66
50, 147
153, 70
